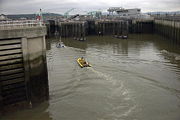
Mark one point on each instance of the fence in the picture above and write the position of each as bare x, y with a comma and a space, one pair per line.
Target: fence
15, 24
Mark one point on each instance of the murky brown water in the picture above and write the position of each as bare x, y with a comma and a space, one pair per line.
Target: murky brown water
133, 79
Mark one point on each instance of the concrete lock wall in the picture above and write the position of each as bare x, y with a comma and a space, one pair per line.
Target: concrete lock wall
142, 26
169, 29
76, 29
23, 70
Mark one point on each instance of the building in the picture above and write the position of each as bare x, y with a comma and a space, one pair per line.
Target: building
135, 12
3, 17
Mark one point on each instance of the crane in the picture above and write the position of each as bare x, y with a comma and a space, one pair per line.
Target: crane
95, 13
66, 14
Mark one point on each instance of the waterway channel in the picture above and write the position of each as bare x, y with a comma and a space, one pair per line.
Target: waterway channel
130, 79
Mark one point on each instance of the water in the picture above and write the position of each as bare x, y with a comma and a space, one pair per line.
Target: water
133, 79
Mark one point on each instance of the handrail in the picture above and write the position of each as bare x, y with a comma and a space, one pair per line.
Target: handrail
20, 24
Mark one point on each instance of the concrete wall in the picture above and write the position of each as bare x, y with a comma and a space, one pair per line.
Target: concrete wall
77, 30
23, 58
112, 27
169, 29
142, 26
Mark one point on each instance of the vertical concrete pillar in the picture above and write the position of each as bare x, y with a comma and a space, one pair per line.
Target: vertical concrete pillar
113, 28
76, 30
79, 30
178, 33
62, 34
117, 23
127, 27
84, 30
1, 99
38, 69
73, 30
26, 67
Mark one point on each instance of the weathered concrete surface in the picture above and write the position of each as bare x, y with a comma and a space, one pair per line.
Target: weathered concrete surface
24, 32
143, 26
30, 56
169, 29
38, 70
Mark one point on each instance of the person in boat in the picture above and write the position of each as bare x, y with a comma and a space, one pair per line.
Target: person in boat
83, 61
99, 33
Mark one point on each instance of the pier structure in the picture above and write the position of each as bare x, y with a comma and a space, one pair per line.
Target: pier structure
167, 26
23, 71
142, 26
112, 27
79, 29
75, 29
169, 29
51, 27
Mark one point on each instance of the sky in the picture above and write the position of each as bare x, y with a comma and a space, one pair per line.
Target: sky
83, 6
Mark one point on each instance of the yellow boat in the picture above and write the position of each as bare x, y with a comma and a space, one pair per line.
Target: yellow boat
82, 63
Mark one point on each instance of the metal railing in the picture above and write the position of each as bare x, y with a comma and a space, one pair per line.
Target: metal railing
15, 24
167, 17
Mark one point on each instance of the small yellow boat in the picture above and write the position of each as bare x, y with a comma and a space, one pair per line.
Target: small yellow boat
82, 63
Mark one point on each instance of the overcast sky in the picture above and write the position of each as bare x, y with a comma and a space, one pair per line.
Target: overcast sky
60, 6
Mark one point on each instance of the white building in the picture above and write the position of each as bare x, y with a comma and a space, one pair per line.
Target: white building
135, 12
3, 17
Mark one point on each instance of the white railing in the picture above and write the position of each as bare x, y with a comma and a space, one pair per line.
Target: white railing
14, 24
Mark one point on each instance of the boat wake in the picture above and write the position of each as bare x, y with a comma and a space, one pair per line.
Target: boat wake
171, 55
100, 74
123, 104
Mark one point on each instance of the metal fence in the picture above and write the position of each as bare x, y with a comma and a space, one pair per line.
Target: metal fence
15, 24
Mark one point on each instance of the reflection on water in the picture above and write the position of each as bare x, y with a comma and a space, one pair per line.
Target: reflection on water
133, 79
